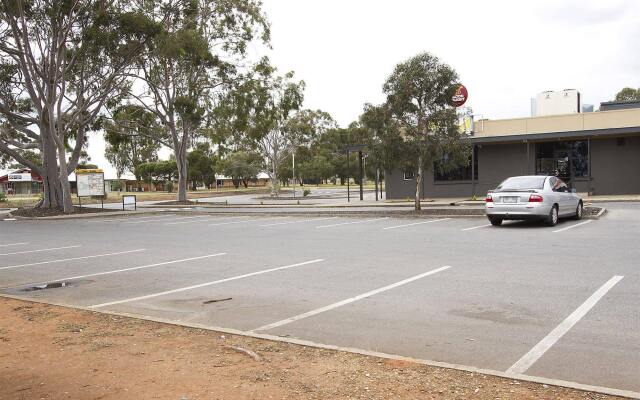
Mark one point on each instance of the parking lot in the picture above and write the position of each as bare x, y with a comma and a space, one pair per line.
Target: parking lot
523, 299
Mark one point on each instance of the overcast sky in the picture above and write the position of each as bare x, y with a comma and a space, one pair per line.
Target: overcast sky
505, 51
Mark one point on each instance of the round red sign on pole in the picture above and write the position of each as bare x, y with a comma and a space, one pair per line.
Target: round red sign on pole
460, 97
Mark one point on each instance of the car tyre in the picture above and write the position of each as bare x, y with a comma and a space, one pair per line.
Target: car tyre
579, 211
552, 218
495, 221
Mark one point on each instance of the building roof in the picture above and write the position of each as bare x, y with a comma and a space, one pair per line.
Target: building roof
562, 135
4, 174
556, 127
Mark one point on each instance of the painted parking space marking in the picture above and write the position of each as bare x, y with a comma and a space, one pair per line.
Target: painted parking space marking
71, 259
233, 278
350, 300
125, 218
202, 219
115, 271
40, 250
416, 223
573, 226
13, 244
476, 227
352, 222
299, 222
246, 220
162, 220
523, 364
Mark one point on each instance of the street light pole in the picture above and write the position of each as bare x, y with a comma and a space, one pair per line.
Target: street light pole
348, 176
294, 174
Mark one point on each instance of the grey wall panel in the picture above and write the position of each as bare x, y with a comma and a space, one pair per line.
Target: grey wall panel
396, 187
615, 169
495, 163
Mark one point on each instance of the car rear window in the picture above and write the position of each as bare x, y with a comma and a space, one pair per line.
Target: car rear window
522, 183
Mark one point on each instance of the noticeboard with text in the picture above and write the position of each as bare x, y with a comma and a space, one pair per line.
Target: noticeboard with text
90, 184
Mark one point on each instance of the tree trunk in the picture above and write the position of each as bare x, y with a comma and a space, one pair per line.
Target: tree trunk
67, 204
181, 161
52, 189
418, 185
274, 180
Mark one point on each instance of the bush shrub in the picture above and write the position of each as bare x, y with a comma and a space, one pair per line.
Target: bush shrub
3, 197
306, 192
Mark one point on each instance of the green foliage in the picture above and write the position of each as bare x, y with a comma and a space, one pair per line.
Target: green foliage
306, 192
159, 171
241, 166
201, 162
117, 185
419, 94
628, 94
130, 137
3, 197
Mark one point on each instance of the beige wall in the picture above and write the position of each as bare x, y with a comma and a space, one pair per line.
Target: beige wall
558, 123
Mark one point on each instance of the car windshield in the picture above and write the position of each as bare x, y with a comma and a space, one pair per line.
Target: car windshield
522, 183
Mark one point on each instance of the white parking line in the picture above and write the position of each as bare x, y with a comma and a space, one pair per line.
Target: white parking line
299, 222
573, 226
162, 220
233, 278
125, 218
523, 364
476, 227
352, 222
415, 223
246, 220
141, 267
350, 300
37, 251
203, 219
71, 259
12, 244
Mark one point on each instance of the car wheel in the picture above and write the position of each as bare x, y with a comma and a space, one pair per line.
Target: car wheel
552, 219
495, 221
579, 211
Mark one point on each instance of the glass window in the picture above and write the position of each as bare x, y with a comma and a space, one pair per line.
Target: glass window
566, 160
408, 175
461, 173
522, 183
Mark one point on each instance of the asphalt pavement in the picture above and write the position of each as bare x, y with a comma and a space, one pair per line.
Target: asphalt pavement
522, 299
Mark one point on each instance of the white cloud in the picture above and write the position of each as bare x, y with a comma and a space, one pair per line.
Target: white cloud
505, 51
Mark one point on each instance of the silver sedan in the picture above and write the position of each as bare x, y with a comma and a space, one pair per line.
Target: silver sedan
546, 198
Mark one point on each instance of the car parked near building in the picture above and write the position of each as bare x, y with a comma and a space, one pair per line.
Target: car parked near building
545, 198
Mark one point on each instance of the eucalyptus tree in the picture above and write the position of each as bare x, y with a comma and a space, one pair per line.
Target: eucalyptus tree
242, 166
201, 48
628, 94
256, 115
419, 93
60, 62
129, 135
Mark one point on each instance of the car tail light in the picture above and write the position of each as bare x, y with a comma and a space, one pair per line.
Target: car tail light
535, 198
489, 199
